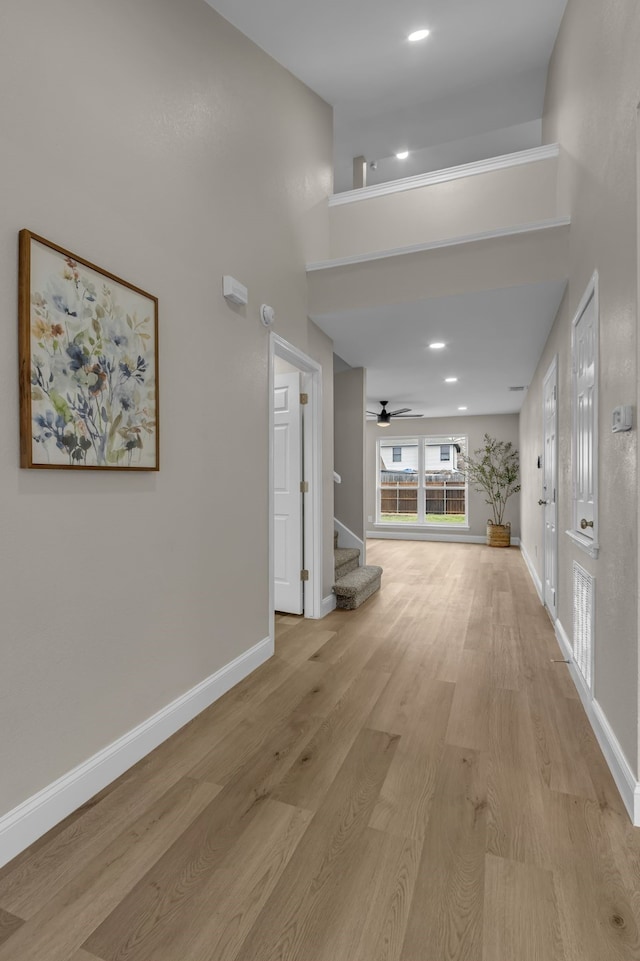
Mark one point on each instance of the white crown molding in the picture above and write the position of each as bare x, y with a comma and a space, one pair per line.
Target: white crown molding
546, 152
621, 770
38, 814
438, 244
537, 583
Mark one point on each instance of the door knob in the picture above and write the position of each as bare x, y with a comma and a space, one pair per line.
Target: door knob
584, 523
542, 502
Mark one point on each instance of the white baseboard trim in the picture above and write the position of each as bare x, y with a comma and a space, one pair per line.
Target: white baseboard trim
435, 536
537, 583
38, 814
617, 762
346, 538
328, 604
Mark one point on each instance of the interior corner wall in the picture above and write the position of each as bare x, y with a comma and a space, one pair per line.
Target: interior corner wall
154, 140
592, 95
349, 398
320, 347
502, 426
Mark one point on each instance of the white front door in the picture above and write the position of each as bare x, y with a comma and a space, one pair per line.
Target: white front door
287, 475
550, 486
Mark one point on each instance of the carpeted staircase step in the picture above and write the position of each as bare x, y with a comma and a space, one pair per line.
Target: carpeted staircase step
347, 559
354, 588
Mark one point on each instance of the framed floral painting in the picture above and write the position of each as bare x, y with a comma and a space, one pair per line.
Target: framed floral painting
88, 364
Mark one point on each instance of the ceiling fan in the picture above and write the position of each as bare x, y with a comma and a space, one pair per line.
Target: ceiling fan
384, 416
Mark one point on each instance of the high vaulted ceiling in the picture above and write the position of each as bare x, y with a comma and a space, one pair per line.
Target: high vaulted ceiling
482, 68
473, 89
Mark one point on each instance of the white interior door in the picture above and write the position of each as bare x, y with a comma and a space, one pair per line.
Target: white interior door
550, 486
585, 341
287, 475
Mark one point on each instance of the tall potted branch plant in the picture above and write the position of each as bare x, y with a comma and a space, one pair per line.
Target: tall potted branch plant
493, 470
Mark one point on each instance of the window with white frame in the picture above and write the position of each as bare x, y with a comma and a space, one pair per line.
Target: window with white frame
423, 487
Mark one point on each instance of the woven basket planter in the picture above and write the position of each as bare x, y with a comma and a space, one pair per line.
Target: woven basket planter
498, 535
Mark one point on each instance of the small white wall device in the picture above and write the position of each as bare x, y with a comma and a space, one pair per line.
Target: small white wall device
267, 315
622, 419
234, 291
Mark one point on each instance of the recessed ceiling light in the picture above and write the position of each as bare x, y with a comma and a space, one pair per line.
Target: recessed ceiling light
462, 408
451, 380
402, 154
437, 345
417, 35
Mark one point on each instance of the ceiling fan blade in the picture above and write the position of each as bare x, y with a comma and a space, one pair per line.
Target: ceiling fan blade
372, 413
402, 410
409, 416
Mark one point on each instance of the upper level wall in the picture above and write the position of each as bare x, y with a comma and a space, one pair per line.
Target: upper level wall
506, 261
452, 203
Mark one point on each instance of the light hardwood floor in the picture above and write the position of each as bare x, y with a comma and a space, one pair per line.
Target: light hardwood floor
412, 781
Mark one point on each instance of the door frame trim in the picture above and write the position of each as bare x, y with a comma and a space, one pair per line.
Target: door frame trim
552, 370
311, 384
590, 545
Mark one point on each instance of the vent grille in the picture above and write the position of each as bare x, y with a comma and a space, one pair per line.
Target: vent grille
583, 594
517, 388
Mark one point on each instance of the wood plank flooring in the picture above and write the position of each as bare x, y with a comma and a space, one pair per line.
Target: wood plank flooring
412, 781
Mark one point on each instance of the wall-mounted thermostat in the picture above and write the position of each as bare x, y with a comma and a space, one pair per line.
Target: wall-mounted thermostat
234, 291
622, 419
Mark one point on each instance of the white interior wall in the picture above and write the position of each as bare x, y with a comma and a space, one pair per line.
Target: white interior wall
492, 200
349, 442
592, 94
157, 142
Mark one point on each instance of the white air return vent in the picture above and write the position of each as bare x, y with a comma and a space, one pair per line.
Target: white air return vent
583, 622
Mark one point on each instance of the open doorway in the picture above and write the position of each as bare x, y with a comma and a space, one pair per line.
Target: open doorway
289, 367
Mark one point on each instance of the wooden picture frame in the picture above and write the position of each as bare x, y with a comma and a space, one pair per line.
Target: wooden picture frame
88, 352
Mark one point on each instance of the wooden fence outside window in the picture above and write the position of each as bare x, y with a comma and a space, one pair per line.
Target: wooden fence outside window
443, 495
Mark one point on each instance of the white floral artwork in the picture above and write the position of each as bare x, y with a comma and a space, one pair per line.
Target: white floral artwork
92, 348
